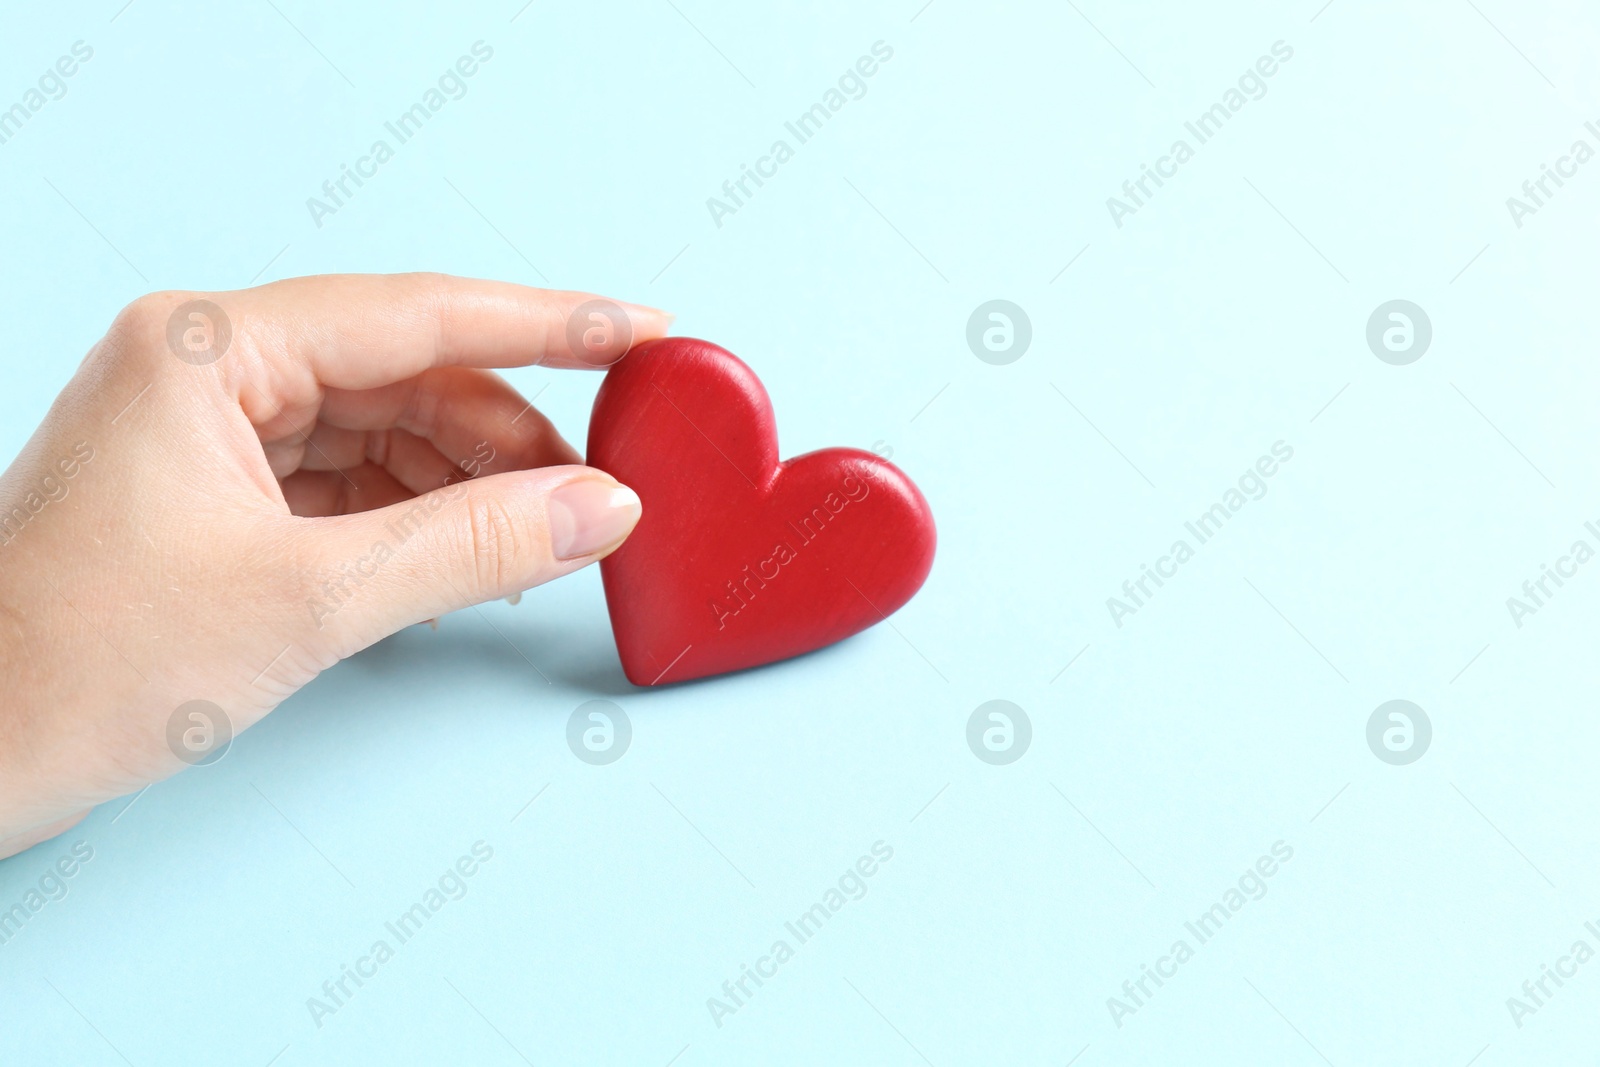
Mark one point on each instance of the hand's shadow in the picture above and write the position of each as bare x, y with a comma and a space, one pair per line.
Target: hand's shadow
576, 654
582, 657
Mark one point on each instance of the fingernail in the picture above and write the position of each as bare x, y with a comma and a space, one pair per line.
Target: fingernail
588, 516
640, 311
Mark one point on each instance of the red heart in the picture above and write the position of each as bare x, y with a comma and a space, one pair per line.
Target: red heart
739, 559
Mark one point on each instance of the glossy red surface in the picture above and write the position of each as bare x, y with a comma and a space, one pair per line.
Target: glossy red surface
740, 559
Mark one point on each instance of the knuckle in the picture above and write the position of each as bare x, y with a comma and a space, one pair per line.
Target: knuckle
430, 291
140, 329
499, 544
426, 301
433, 281
146, 316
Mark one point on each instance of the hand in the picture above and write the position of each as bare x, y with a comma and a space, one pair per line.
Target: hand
230, 497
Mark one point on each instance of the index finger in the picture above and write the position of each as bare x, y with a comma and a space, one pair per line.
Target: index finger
361, 331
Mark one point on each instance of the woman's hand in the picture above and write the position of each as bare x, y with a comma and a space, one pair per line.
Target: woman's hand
237, 490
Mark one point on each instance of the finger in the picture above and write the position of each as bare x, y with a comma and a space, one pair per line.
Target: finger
460, 410
364, 488
415, 463
360, 331
469, 543
325, 448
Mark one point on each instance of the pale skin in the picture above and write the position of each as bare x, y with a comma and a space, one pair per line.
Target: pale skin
217, 543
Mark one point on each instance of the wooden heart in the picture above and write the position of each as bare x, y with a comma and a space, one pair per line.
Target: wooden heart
740, 559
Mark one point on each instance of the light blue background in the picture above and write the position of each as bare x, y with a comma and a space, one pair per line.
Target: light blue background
1228, 714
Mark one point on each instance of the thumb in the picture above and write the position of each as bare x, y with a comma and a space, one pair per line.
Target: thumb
466, 543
